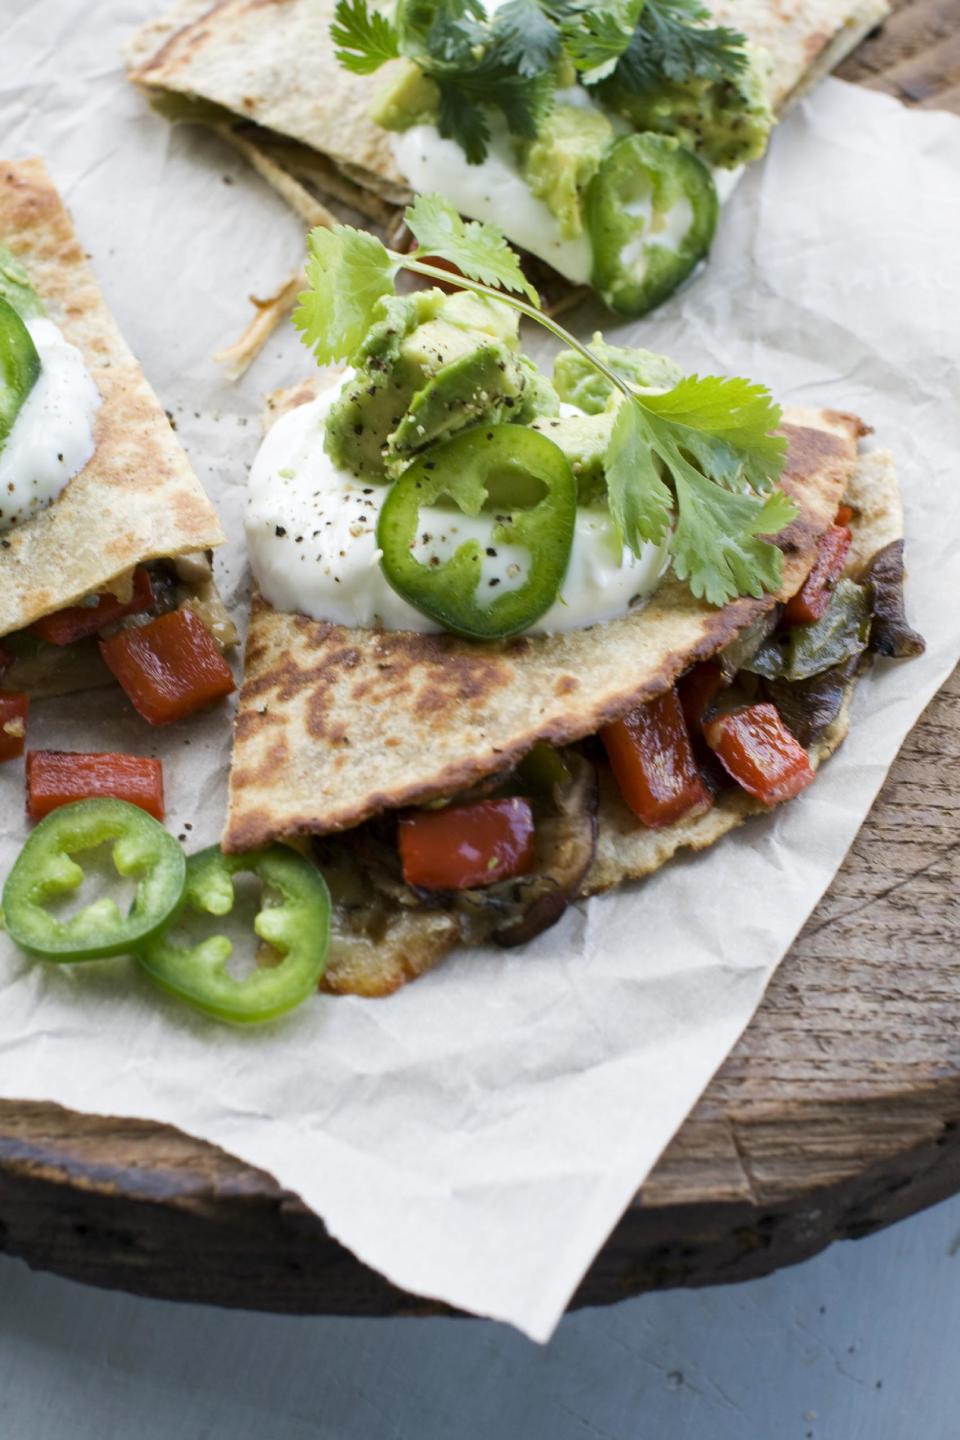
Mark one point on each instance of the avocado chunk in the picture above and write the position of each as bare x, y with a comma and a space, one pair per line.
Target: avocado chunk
725, 122
577, 383
564, 158
408, 98
430, 366
584, 440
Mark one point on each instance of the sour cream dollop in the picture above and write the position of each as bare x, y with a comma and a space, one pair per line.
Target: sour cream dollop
52, 436
495, 191
311, 535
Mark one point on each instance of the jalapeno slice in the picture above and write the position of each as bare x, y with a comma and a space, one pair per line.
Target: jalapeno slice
651, 212
296, 924
496, 583
19, 367
45, 869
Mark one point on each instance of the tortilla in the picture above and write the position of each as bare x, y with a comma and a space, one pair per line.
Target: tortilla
137, 499
265, 75
408, 942
332, 721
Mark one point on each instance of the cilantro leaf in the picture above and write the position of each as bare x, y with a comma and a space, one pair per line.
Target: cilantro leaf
478, 250
640, 503
364, 38
673, 40
716, 547
726, 426
525, 37
711, 439
595, 38
348, 271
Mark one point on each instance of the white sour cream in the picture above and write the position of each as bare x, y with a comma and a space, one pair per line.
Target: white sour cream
52, 437
311, 534
494, 190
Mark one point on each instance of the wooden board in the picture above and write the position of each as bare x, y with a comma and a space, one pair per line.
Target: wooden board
838, 1112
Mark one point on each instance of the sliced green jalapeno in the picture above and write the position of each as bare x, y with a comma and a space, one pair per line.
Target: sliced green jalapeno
45, 869
651, 213
15, 286
296, 925
525, 483
19, 367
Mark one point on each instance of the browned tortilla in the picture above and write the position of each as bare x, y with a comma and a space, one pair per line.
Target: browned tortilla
337, 724
137, 499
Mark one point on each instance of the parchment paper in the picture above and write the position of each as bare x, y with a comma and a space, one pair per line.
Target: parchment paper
476, 1137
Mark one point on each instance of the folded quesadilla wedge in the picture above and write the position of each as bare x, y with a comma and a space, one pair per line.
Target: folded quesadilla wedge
604, 176
105, 531
456, 788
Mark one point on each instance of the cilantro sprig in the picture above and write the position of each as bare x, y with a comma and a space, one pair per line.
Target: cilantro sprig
695, 466
508, 62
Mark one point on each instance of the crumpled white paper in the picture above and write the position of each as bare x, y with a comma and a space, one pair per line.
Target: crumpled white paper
476, 1136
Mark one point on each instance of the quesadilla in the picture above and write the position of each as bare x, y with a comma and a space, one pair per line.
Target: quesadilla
456, 783
105, 532
603, 165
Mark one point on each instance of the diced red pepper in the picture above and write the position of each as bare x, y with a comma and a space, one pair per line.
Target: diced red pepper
168, 668
14, 709
58, 777
758, 750
813, 597
844, 515
465, 846
697, 690
652, 761
78, 621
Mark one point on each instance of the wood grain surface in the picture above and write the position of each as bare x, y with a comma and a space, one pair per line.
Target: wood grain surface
837, 1113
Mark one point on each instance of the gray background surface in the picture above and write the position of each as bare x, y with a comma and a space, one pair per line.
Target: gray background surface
858, 1344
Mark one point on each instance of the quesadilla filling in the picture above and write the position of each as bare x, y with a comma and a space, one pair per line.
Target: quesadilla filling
744, 731
158, 629
591, 137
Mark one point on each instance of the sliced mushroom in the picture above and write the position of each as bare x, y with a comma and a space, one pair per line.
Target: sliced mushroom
514, 911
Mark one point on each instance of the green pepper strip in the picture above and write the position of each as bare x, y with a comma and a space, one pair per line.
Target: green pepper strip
488, 466
44, 869
640, 180
19, 367
298, 927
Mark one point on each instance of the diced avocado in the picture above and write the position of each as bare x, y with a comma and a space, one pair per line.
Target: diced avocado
584, 440
483, 384
408, 98
430, 365
476, 312
539, 397
725, 122
375, 399
578, 383
563, 159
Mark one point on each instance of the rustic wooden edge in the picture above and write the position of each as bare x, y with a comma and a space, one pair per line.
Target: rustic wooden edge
838, 1112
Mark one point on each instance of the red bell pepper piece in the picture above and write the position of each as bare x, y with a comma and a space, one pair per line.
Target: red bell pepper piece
63, 627
58, 777
697, 690
813, 597
652, 762
168, 668
13, 723
465, 846
757, 749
